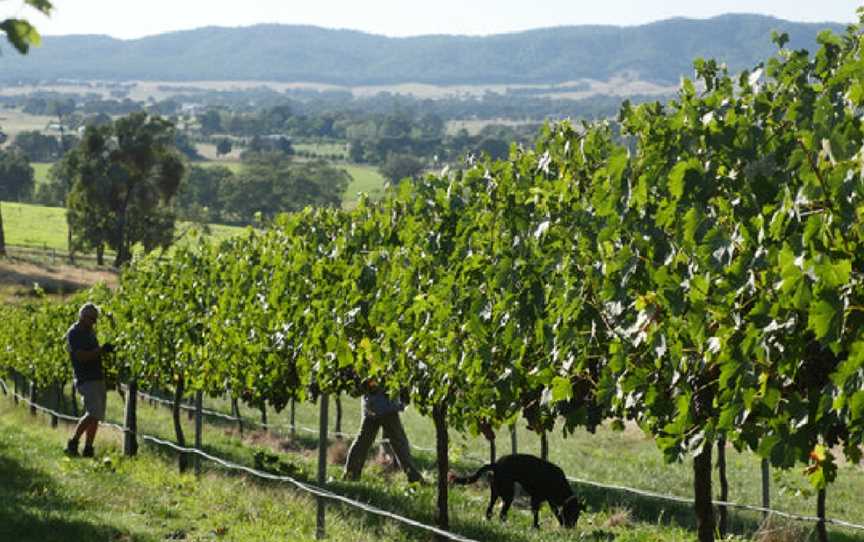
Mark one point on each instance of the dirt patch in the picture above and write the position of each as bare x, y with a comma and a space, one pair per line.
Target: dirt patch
18, 277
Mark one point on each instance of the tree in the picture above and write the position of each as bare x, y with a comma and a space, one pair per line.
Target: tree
124, 177
400, 166
211, 122
270, 183
21, 34
224, 147
16, 176
16, 183
199, 192
38, 146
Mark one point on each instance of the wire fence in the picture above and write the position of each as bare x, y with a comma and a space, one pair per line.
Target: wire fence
275, 426
302, 486
407, 521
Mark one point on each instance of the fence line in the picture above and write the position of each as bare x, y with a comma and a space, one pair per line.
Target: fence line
641, 492
308, 488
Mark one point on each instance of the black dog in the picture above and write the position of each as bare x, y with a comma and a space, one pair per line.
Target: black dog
542, 480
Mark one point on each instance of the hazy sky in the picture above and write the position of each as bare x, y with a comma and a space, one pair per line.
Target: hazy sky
136, 18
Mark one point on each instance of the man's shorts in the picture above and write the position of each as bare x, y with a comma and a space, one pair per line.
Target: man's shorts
94, 394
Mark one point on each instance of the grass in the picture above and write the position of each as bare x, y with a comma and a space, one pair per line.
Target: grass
48, 497
14, 121
234, 165
116, 498
44, 227
34, 225
626, 458
367, 179
40, 171
322, 149
630, 459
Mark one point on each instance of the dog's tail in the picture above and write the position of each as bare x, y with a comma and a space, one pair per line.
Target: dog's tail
463, 480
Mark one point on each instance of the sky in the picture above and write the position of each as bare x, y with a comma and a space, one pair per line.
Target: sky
129, 19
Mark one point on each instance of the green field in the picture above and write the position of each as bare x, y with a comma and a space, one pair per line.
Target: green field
367, 179
233, 165
13, 122
322, 149
40, 171
43, 227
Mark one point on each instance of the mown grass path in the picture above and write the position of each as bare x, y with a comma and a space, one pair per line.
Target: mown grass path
51, 497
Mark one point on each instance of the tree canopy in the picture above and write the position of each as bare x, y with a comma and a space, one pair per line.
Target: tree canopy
124, 177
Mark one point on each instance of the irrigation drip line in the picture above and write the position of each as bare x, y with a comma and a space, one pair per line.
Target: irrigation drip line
308, 488
334, 496
685, 500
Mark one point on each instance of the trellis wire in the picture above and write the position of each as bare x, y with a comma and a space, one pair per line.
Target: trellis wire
644, 493
308, 488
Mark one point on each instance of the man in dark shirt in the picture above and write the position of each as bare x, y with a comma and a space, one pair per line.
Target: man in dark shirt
86, 356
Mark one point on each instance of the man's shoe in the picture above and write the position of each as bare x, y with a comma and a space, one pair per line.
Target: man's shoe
88, 451
71, 448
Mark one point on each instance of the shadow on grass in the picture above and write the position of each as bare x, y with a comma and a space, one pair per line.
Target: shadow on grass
30, 510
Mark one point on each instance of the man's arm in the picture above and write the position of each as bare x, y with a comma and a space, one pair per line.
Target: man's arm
88, 355
78, 344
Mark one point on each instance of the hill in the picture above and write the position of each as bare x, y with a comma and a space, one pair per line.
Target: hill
659, 52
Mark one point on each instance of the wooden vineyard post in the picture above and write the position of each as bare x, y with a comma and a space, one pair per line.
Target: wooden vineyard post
32, 398
322, 464
338, 427
199, 415
235, 411
130, 435
544, 446
183, 460
821, 530
293, 419
766, 488
492, 455
514, 449
442, 445
55, 403
724, 486
702, 495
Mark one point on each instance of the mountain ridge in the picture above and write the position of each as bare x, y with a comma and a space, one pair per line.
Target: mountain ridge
658, 52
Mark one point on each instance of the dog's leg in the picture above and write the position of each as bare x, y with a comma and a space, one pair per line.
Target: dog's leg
535, 509
493, 497
557, 513
506, 491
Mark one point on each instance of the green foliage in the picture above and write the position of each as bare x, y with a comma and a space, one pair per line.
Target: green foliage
123, 178
37, 146
271, 183
400, 166
702, 281
20, 33
16, 176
